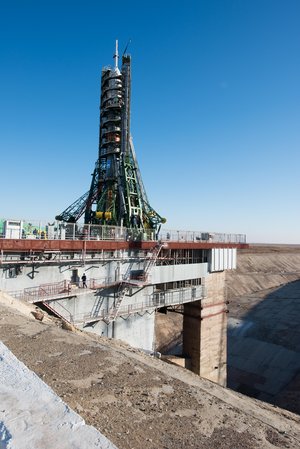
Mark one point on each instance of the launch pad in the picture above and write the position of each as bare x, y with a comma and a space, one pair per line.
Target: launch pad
117, 195
112, 237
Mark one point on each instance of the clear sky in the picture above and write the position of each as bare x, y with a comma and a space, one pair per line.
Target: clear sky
215, 108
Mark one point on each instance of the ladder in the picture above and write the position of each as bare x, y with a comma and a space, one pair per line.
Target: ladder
122, 291
150, 263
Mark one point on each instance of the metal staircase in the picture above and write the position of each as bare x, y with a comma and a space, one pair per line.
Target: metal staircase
122, 291
127, 282
150, 263
64, 315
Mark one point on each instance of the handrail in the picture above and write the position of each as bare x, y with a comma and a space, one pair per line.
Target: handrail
58, 289
23, 229
154, 301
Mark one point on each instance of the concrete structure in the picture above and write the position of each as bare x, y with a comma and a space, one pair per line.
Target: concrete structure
127, 281
205, 330
33, 416
132, 271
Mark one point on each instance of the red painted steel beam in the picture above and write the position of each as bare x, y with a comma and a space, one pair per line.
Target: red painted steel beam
106, 245
61, 245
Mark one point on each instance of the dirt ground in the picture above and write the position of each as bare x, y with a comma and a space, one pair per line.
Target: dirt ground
265, 291
140, 402
261, 267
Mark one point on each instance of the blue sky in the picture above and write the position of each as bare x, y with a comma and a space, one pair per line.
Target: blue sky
215, 108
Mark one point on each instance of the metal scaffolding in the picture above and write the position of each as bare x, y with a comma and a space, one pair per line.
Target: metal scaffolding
117, 195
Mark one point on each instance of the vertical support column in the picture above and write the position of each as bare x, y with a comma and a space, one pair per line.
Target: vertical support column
205, 331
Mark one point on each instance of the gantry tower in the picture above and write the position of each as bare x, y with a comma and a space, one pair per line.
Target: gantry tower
117, 195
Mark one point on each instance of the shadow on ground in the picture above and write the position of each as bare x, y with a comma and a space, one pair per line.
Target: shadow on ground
264, 346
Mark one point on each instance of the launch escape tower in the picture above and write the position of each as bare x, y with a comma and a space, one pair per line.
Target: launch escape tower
117, 195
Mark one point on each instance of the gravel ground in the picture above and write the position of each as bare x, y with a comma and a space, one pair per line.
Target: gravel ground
141, 402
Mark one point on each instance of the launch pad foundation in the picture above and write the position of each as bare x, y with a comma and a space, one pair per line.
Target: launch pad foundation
127, 283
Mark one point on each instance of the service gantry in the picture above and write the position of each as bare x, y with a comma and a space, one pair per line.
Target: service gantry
117, 195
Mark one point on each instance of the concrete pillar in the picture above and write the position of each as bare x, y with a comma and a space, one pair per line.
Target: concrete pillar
205, 331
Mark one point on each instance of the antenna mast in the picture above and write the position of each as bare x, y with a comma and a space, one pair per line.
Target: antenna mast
116, 55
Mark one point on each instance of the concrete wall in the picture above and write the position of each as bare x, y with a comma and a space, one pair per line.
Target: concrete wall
174, 273
136, 329
204, 336
75, 308
204, 331
48, 274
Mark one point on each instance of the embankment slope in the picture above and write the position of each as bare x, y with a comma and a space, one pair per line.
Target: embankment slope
264, 325
137, 401
263, 267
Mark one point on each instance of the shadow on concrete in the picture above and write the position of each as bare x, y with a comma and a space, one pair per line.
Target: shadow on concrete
264, 347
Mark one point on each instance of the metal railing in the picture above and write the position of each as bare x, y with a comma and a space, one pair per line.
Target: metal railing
198, 236
10, 229
153, 301
60, 289
177, 296
63, 312
33, 294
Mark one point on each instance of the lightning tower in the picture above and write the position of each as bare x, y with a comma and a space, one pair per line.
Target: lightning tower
117, 195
